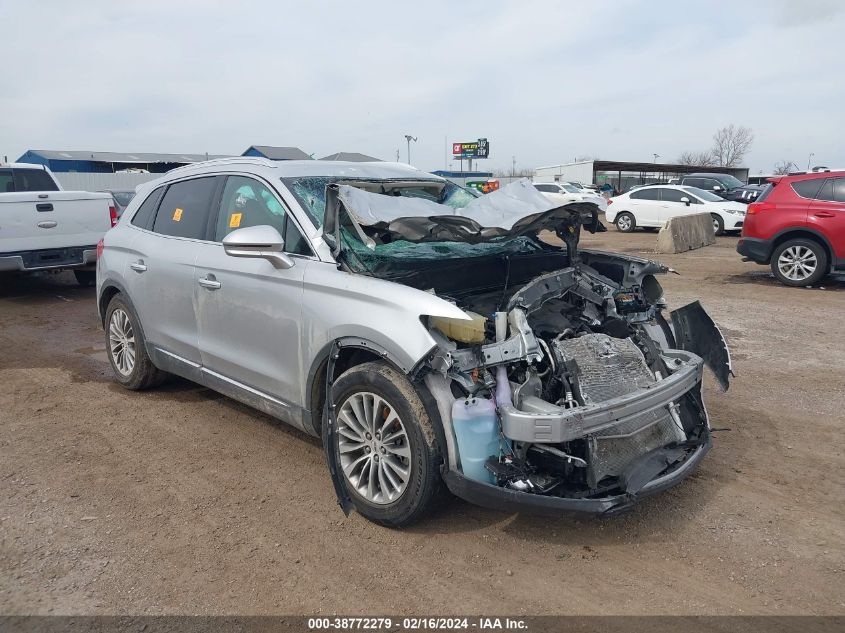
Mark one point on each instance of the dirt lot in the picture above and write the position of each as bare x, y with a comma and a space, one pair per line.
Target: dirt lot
182, 501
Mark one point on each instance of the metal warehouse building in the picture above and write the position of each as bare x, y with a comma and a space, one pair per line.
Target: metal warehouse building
622, 175
110, 162
276, 153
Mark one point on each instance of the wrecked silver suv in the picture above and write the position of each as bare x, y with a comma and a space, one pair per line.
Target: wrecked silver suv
427, 334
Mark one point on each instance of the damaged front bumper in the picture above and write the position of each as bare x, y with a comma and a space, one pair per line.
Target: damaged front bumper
549, 423
497, 498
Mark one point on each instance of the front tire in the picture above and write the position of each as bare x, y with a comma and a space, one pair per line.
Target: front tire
385, 445
625, 222
126, 349
718, 224
799, 262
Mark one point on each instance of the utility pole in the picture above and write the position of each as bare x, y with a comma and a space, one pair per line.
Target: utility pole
810, 160
513, 167
410, 138
397, 155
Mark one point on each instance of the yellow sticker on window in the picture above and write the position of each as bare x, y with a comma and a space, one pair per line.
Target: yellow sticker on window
235, 220
177, 215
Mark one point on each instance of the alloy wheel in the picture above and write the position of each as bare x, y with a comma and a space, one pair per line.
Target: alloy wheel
122, 342
797, 263
623, 222
375, 455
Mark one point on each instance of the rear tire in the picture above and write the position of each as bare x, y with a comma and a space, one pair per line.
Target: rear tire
85, 278
126, 349
799, 262
625, 222
385, 433
718, 224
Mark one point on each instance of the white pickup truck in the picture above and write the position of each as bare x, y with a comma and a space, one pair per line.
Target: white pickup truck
45, 228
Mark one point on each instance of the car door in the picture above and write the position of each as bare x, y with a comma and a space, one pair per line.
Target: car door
671, 205
827, 214
645, 205
249, 313
160, 275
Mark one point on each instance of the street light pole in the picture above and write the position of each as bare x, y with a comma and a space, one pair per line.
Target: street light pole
410, 138
656, 156
810, 159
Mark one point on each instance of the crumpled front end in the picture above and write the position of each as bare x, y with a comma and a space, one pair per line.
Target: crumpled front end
576, 395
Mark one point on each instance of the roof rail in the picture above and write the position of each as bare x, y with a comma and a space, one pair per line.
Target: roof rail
231, 160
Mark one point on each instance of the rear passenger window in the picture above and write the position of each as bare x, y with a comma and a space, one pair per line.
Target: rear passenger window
808, 188
143, 217
33, 180
184, 209
645, 194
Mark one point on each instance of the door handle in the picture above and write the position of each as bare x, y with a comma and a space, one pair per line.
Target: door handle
209, 282
138, 266
44, 206
823, 214
47, 225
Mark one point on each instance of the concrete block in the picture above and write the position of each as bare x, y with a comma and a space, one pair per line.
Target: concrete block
685, 233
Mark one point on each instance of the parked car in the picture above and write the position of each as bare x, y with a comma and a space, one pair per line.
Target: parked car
122, 197
797, 226
563, 192
653, 206
43, 227
723, 185
424, 333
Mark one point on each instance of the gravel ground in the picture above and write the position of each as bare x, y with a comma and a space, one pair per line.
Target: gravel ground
180, 500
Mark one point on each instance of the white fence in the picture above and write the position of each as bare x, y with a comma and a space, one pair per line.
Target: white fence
81, 181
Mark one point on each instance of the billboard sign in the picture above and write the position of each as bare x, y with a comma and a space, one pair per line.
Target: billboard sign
475, 149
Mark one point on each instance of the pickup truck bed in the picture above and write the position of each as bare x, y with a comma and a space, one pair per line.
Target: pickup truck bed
41, 230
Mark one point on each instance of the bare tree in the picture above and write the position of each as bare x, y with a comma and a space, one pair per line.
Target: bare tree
731, 144
783, 167
702, 159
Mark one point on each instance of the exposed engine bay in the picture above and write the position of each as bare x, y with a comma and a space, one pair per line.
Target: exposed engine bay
591, 396
565, 381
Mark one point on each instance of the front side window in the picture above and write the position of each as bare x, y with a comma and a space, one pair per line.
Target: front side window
672, 195
826, 192
184, 209
33, 180
547, 188
247, 202
7, 183
730, 182
839, 189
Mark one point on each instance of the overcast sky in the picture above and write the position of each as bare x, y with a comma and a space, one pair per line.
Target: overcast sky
543, 81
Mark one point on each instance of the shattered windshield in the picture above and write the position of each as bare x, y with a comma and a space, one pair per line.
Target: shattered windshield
310, 192
398, 255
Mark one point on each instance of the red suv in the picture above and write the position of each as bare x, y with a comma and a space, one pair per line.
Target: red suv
797, 226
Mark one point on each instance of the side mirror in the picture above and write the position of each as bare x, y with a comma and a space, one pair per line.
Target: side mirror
717, 188
685, 200
263, 242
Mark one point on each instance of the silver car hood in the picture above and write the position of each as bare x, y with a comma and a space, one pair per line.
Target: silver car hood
514, 210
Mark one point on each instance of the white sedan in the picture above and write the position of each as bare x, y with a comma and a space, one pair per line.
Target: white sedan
564, 193
651, 207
